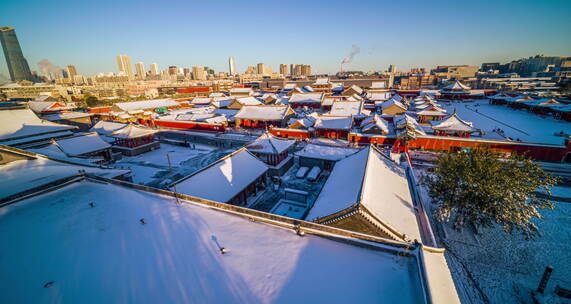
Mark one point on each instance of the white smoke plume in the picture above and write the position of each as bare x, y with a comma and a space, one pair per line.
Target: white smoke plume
354, 51
49, 68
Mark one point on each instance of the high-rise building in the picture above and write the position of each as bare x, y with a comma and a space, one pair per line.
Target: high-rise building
124, 65
297, 70
186, 72
283, 69
140, 67
250, 70
154, 69
306, 69
231, 66
71, 71
173, 70
260, 68
17, 65
198, 73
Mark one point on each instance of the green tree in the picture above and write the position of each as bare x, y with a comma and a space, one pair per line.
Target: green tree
481, 188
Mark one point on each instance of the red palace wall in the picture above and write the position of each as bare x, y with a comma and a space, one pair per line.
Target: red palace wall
553, 153
187, 125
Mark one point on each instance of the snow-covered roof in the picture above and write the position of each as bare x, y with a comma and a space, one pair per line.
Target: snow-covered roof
356, 88
307, 121
201, 100
132, 131
269, 144
308, 89
378, 96
374, 121
406, 122
65, 115
241, 91
325, 152
224, 179
306, 98
146, 104
453, 123
107, 127
321, 81
22, 175
21, 123
456, 86
217, 94
290, 86
378, 85
263, 112
334, 122
221, 102
104, 254
46, 106
248, 101
345, 108
82, 144
392, 102
374, 181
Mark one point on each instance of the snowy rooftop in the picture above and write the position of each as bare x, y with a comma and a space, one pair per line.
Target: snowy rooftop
83, 144
22, 175
453, 123
225, 178
378, 85
241, 90
270, 144
345, 108
249, 101
334, 122
322, 81
375, 182
375, 121
325, 152
104, 254
146, 104
19, 123
107, 127
306, 98
65, 115
456, 86
132, 131
263, 112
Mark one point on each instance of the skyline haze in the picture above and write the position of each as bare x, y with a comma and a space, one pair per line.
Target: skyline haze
90, 36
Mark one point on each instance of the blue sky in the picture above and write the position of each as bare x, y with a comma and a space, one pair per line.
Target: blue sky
89, 34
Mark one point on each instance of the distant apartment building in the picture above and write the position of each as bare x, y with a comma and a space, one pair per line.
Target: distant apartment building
260, 68
124, 65
421, 81
535, 64
186, 72
283, 69
154, 69
198, 73
455, 71
490, 66
140, 68
27, 90
71, 71
306, 69
250, 70
173, 70
231, 66
300, 69
17, 65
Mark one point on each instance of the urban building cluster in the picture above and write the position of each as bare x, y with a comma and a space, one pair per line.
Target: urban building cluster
257, 184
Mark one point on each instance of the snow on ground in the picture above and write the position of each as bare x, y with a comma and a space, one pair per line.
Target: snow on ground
103, 254
516, 124
506, 267
152, 168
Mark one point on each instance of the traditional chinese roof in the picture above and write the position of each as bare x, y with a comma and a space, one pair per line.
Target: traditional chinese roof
264, 112
306, 98
83, 144
453, 123
269, 144
132, 131
456, 86
334, 122
374, 121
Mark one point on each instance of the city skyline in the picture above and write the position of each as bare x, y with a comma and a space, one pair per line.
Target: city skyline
453, 34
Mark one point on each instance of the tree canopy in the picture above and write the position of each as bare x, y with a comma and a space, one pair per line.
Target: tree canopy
481, 188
